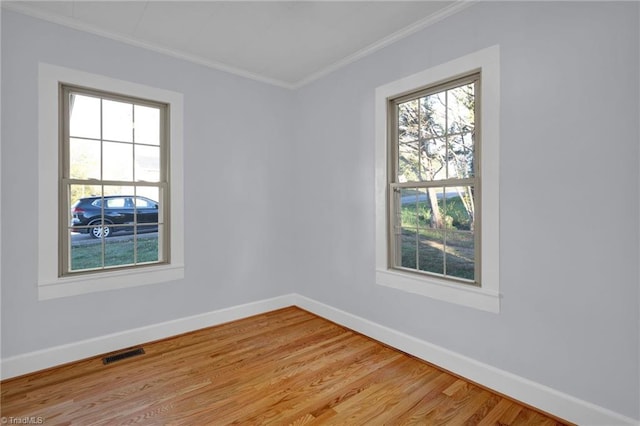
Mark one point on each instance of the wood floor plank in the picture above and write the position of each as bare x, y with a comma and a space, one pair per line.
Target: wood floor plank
286, 367
432, 396
494, 415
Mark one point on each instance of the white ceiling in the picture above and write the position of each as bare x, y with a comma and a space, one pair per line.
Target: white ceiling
287, 43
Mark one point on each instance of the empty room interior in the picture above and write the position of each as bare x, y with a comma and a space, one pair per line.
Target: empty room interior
297, 212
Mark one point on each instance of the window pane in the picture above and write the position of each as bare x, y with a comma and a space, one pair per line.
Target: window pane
118, 161
433, 209
433, 119
94, 220
408, 162
147, 127
84, 116
119, 251
85, 253
460, 256
407, 244
423, 209
117, 121
147, 246
432, 160
146, 214
461, 156
118, 190
82, 209
152, 193
147, 163
408, 125
408, 207
431, 251
78, 192
460, 108
460, 208
84, 159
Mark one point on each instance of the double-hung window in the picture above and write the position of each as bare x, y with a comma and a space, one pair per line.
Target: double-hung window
114, 181
437, 182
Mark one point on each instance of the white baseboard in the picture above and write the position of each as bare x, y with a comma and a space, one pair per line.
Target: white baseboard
39, 360
529, 392
534, 394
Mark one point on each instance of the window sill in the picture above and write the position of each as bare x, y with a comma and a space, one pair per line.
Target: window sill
112, 280
460, 294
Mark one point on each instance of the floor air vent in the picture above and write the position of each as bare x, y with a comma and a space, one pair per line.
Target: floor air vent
122, 355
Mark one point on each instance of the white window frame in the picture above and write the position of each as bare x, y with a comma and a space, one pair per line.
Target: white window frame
486, 297
50, 284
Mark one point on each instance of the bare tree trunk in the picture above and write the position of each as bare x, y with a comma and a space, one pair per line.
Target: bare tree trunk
467, 201
436, 216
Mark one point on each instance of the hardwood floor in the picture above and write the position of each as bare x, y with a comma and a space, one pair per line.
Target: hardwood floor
283, 367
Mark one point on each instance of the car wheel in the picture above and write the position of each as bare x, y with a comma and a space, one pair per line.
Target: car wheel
99, 231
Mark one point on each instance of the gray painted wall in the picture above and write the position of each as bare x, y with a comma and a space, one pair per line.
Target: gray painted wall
569, 195
279, 193
235, 137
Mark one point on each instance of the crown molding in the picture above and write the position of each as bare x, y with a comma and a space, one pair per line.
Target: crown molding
386, 41
25, 9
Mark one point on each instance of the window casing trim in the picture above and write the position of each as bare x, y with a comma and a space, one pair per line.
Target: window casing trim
49, 284
487, 297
